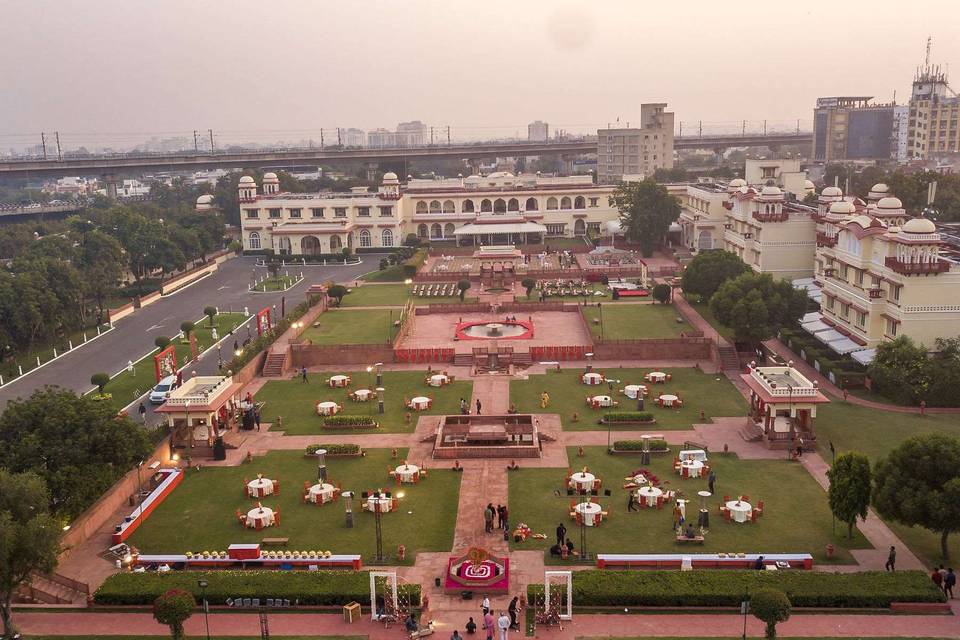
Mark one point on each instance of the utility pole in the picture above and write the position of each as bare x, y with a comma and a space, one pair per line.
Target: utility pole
764, 127
431, 136
681, 129
210, 131
798, 126
448, 135
43, 143
59, 154
321, 139
339, 143
700, 122
743, 130
196, 144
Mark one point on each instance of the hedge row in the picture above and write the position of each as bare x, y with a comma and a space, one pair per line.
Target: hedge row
349, 422
846, 371
628, 416
334, 449
323, 588
656, 444
869, 589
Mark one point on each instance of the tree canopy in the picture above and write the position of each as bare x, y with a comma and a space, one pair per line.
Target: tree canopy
918, 484
79, 446
911, 188
337, 292
904, 371
646, 212
172, 608
770, 606
709, 269
850, 486
756, 306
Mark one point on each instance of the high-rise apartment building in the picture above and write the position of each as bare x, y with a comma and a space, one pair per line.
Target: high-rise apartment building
632, 151
851, 128
934, 107
412, 134
538, 131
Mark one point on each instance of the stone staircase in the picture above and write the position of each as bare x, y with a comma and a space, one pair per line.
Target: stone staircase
729, 360
751, 432
463, 359
273, 365
54, 590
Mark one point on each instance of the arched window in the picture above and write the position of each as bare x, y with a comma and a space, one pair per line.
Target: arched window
335, 243
448, 230
499, 205
284, 246
565, 202
532, 204
579, 227
436, 231
365, 239
310, 246
486, 206
513, 205
254, 240
449, 207
435, 206
468, 206
422, 231
579, 203
386, 238
551, 203
421, 207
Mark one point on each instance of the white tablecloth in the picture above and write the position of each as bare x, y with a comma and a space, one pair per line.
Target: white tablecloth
740, 511
650, 494
592, 378
259, 487
326, 408
420, 403
385, 504
590, 512
657, 376
696, 454
339, 381
693, 467
603, 401
321, 492
362, 394
262, 514
407, 472
582, 480
631, 390
438, 380
668, 399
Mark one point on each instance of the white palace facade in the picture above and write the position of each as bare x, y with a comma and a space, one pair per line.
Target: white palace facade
500, 208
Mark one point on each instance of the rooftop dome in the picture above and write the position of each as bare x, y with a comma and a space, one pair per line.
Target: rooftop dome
842, 206
879, 188
771, 190
390, 176
919, 225
808, 184
832, 192
247, 180
205, 199
271, 176
862, 220
889, 202
736, 183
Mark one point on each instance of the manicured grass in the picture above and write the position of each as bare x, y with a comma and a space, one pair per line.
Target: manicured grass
200, 514
127, 387
874, 432
280, 283
167, 637
396, 295
390, 274
296, 401
27, 361
700, 391
704, 310
796, 516
349, 326
634, 321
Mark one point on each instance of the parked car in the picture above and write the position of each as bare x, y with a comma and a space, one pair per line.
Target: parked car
161, 392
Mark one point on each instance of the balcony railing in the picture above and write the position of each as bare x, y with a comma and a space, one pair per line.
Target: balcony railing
876, 293
783, 216
916, 268
823, 240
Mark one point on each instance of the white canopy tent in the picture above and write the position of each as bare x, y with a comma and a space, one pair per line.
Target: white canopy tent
815, 326
844, 346
828, 335
864, 356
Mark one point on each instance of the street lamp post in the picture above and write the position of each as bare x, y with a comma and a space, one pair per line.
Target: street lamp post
206, 607
348, 507
833, 463
380, 393
379, 366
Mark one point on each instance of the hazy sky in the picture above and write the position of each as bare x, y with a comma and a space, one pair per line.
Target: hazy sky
293, 66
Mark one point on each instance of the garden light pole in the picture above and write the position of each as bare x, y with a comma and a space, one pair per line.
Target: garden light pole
379, 366
833, 463
206, 607
380, 392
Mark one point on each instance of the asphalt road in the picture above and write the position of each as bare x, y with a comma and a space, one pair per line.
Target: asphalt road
133, 336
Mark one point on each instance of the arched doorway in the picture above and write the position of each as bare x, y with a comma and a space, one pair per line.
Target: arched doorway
310, 246
448, 230
705, 240
579, 227
336, 244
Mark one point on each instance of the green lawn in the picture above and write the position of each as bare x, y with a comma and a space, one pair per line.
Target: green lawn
296, 401
351, 326
27, 361
700, 391
167, 637
200, 514
280, 283
382, 295
704, 310
390, 274
854, 428
127, 387
796, 516
634, 321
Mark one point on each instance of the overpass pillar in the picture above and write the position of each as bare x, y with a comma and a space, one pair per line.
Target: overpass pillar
566, 164
474, 164
718, 152
110, 180
371, 168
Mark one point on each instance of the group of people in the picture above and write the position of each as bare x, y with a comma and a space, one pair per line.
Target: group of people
564, 547
945, 579
503, 623
498, 513
465, 407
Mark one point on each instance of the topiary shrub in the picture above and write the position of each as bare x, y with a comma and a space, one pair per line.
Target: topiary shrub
770, 606
172, 608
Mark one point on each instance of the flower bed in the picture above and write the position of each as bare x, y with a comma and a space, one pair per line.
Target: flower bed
868, 589
349, 422
621, 418
317, 588
657, 445
335, 450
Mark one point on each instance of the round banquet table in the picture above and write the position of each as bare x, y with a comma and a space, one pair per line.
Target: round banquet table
339, 381
650, 495
420, 403
362, 395
739, 510
603, 401
657, 376
582, 480
385, 503
407, 472
326, 408
633, 390
263, 515
590, 512
320, 493
592, 378
693, 467
259, 487
438, 380
668, 399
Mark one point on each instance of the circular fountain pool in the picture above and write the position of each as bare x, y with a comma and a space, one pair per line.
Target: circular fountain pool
519, 329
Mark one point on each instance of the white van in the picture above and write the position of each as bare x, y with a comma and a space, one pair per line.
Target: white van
162, 391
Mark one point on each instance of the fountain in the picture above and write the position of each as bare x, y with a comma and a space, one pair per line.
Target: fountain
512, 329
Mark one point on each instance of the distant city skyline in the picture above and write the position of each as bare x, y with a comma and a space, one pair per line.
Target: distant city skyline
139, 70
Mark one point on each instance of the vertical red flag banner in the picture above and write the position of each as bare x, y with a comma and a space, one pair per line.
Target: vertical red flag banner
165, 362
194, 350
263, 321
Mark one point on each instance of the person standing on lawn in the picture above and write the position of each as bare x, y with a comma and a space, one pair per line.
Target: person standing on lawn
303, 374
561, 534
891, 560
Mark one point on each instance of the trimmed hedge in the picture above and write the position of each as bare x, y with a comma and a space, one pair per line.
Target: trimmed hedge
349, 422
656, 444
323, 588
334, 449
714, 588
628, 416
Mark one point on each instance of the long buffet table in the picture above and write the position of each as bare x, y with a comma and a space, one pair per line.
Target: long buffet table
702, 560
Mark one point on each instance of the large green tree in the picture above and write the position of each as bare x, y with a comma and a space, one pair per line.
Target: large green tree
900, 370
918, 484
646, 211
709, 269
77, 445
850, 486
29, 536
756, 306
